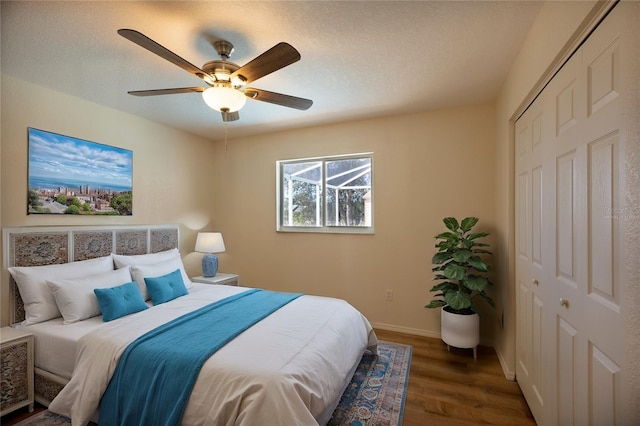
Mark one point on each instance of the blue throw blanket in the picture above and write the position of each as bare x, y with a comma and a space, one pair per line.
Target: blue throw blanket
156, 372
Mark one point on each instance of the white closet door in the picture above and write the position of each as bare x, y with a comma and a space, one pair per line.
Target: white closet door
569, 191
532, 256
602, 292
567, 217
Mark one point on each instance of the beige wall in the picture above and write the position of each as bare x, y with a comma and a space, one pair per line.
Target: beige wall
426, 166
171, 169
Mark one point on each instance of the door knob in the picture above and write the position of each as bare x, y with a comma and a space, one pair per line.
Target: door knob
564, 302
535, 282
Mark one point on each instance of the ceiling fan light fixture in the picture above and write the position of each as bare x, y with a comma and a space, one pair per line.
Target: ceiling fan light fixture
223, 97
238, 81
222, 75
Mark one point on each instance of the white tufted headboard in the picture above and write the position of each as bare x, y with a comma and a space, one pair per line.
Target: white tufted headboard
35, 246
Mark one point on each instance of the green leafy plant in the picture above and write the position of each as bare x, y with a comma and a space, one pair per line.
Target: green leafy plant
459, 267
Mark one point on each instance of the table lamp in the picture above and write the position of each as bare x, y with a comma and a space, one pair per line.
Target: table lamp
210, 243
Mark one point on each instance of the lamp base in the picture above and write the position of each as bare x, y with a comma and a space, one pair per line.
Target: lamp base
209, 265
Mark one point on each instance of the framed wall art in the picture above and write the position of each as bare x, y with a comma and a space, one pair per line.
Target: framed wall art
67, 175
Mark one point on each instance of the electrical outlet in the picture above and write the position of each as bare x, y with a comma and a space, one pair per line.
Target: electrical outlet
388, 295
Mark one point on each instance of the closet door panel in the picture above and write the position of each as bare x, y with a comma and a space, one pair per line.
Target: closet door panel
604, 389
566, 352
538, 348
566, 107
523, 202
524, 337
605, 188
565, 220
536, 217
530, 259
602, 71
603, 212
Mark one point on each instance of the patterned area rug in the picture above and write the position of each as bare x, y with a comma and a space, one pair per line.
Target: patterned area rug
375, 395
45, 418
377, 392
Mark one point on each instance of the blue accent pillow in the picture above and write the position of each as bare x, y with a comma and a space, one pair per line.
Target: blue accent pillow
116, 302
167, 287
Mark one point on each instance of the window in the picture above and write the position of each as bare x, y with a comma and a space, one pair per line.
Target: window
328, 194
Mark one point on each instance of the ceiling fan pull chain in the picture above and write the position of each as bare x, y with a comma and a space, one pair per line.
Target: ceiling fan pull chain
225, 137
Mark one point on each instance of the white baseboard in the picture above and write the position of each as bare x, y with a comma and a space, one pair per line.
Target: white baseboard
418, 332
407, 330
508, 373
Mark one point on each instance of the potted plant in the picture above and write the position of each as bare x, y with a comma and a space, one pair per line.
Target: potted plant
459, 267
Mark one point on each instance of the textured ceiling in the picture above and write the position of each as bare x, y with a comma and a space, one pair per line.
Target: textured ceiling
359, 58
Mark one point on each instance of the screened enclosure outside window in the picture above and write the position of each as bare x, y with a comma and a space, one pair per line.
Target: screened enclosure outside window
329, 194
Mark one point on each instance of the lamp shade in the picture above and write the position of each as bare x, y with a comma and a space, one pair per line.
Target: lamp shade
224, 98
210, 242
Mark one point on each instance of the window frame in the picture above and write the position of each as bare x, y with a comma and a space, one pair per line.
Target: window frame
333, 229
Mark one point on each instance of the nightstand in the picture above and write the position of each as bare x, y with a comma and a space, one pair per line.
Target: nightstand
220, 278
16, 359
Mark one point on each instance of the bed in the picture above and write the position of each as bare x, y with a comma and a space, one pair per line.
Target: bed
290, 367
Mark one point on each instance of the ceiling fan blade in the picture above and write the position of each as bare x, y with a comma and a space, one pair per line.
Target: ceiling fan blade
279, 56
230, 116
156, 92
144, 41
278, 98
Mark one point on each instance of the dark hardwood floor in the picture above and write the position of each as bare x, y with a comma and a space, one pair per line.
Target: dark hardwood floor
445, 388
453, 389
19, 415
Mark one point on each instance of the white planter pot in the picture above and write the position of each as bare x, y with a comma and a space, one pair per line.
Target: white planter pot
460, 331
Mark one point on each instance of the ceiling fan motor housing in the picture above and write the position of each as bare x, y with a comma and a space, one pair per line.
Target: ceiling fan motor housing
224, 48
220, 70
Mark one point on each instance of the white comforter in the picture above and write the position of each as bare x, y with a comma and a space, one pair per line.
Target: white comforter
288, 369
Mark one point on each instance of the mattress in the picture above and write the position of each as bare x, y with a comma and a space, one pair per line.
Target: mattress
55, 351
56, 343
294, 364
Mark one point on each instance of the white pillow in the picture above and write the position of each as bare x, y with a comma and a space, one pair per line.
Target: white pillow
39, 304
144, 259
140, 272
151, 259
75, 297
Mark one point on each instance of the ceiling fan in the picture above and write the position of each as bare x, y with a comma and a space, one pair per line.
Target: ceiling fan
227, 91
